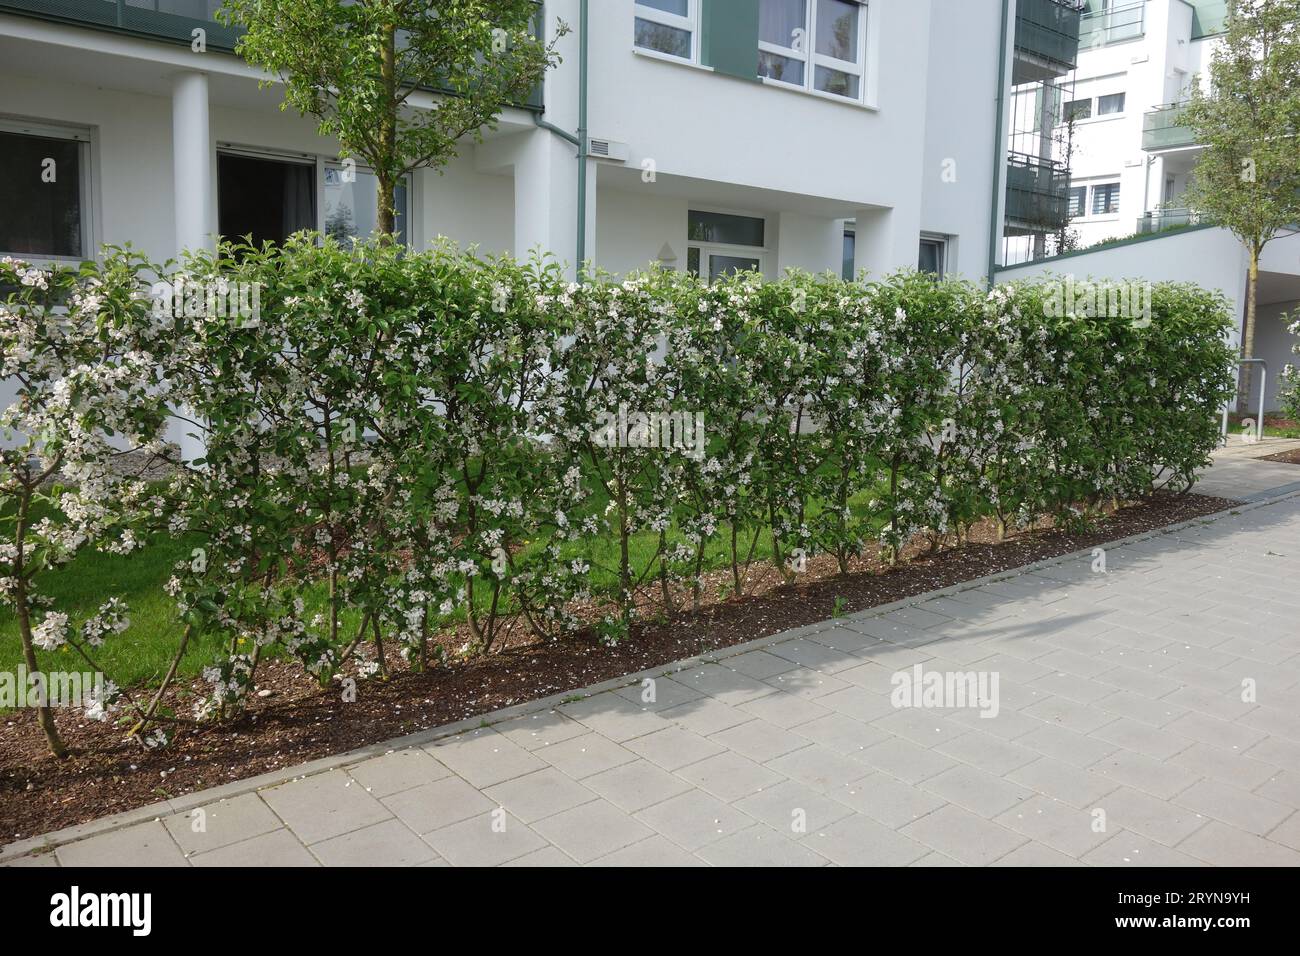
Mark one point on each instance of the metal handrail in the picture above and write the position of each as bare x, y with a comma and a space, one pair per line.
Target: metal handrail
1263, 388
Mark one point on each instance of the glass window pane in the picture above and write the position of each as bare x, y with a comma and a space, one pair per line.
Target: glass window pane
722, 227
664, 39
730, 265
837, 29
784, 23
850, 253
931, 257
351, 206
1078, 109
781, 68
40, 196
679, 7
693, 260
1114, 103
1105, 199
1078, 196
836, 81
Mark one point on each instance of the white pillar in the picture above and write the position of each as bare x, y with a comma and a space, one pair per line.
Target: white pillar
192, 162
546, 199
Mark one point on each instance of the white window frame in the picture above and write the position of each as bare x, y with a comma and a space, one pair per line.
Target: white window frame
943, 243
1092, 199
811, 59
1098, 114
690, 23
83, 136
707, 249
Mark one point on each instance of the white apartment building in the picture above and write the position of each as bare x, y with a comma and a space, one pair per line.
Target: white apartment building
1129, 165
719, 134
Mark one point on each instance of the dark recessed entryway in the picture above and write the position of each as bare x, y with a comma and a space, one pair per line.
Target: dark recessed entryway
264, 198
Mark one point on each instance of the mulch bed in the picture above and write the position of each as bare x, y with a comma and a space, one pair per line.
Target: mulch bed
1291, 457
294, 722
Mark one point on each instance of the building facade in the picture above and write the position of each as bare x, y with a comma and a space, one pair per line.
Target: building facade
719, 135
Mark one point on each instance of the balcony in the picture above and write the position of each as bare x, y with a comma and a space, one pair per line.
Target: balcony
1047, 39
1104, 27
172, 21
1160, 129
1160, 220
1038, 194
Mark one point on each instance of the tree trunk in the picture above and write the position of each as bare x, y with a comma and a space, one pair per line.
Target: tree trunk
44, 716
386, 213
1248, 334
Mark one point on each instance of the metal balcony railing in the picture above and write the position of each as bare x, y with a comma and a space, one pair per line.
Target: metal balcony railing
169, 20
1047, 32
1160, 129
1038, 193
1158, 220
1103, 27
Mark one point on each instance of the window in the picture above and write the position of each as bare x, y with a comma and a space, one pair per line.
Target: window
849, 266
44, 192
1110, 104
666, 26
350, 203
933, 255
1077, 110
723, 243
264, 197
1105, 199
816, 45
1078, 199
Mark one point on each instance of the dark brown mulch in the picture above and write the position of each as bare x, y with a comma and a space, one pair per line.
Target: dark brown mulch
294, 722
1291, 457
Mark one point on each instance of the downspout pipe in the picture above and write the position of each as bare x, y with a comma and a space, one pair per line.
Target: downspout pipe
999, 144
579, 140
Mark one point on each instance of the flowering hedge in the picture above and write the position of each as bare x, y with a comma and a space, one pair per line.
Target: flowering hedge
398, 443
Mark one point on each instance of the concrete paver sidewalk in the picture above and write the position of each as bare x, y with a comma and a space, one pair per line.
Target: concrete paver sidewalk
1145, 715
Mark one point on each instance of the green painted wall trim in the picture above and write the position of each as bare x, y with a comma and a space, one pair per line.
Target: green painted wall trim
1118, 243
729, 37
999, 143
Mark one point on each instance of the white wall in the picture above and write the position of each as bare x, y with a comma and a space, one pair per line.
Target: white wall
1275, 345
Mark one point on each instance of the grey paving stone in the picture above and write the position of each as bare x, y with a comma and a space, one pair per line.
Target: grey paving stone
760, 665
758, 740
435, 805
390, 843
1227, 766
615, 717
1283, 786
1082, 689
636, 785
723, 684
1278, 751
1036, 854
1055, 824
665, 692
1067, 746
1275, 722
694, 819
783, 710
1288, 832
989, 753
858, 703
1126, 848
793, 808
1157, 819
729, 776
905, 760
814, 656
547, 856
759, 846
1070, 714
593, 830
962, 835
708, 715
485, 757
655, 851
1221, 845
1143, 738
807, 683
819, 767
325, 805
977, 791
858, 841
222, 823
922, 726
144, 844
540, 794
1154, 712
674, 748
535, 731
886, 799
841, 733
277, 848
486, 839
397, 771
1235, 807
1215, 732
583, 756
935, 859
1159, 778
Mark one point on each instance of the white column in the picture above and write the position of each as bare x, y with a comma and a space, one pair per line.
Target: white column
546, 199
192, 162
887, 240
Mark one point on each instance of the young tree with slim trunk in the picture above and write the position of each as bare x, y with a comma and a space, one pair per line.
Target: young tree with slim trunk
1248, 176
356, 67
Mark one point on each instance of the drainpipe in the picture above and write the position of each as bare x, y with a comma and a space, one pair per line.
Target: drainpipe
999, 146
579, 140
